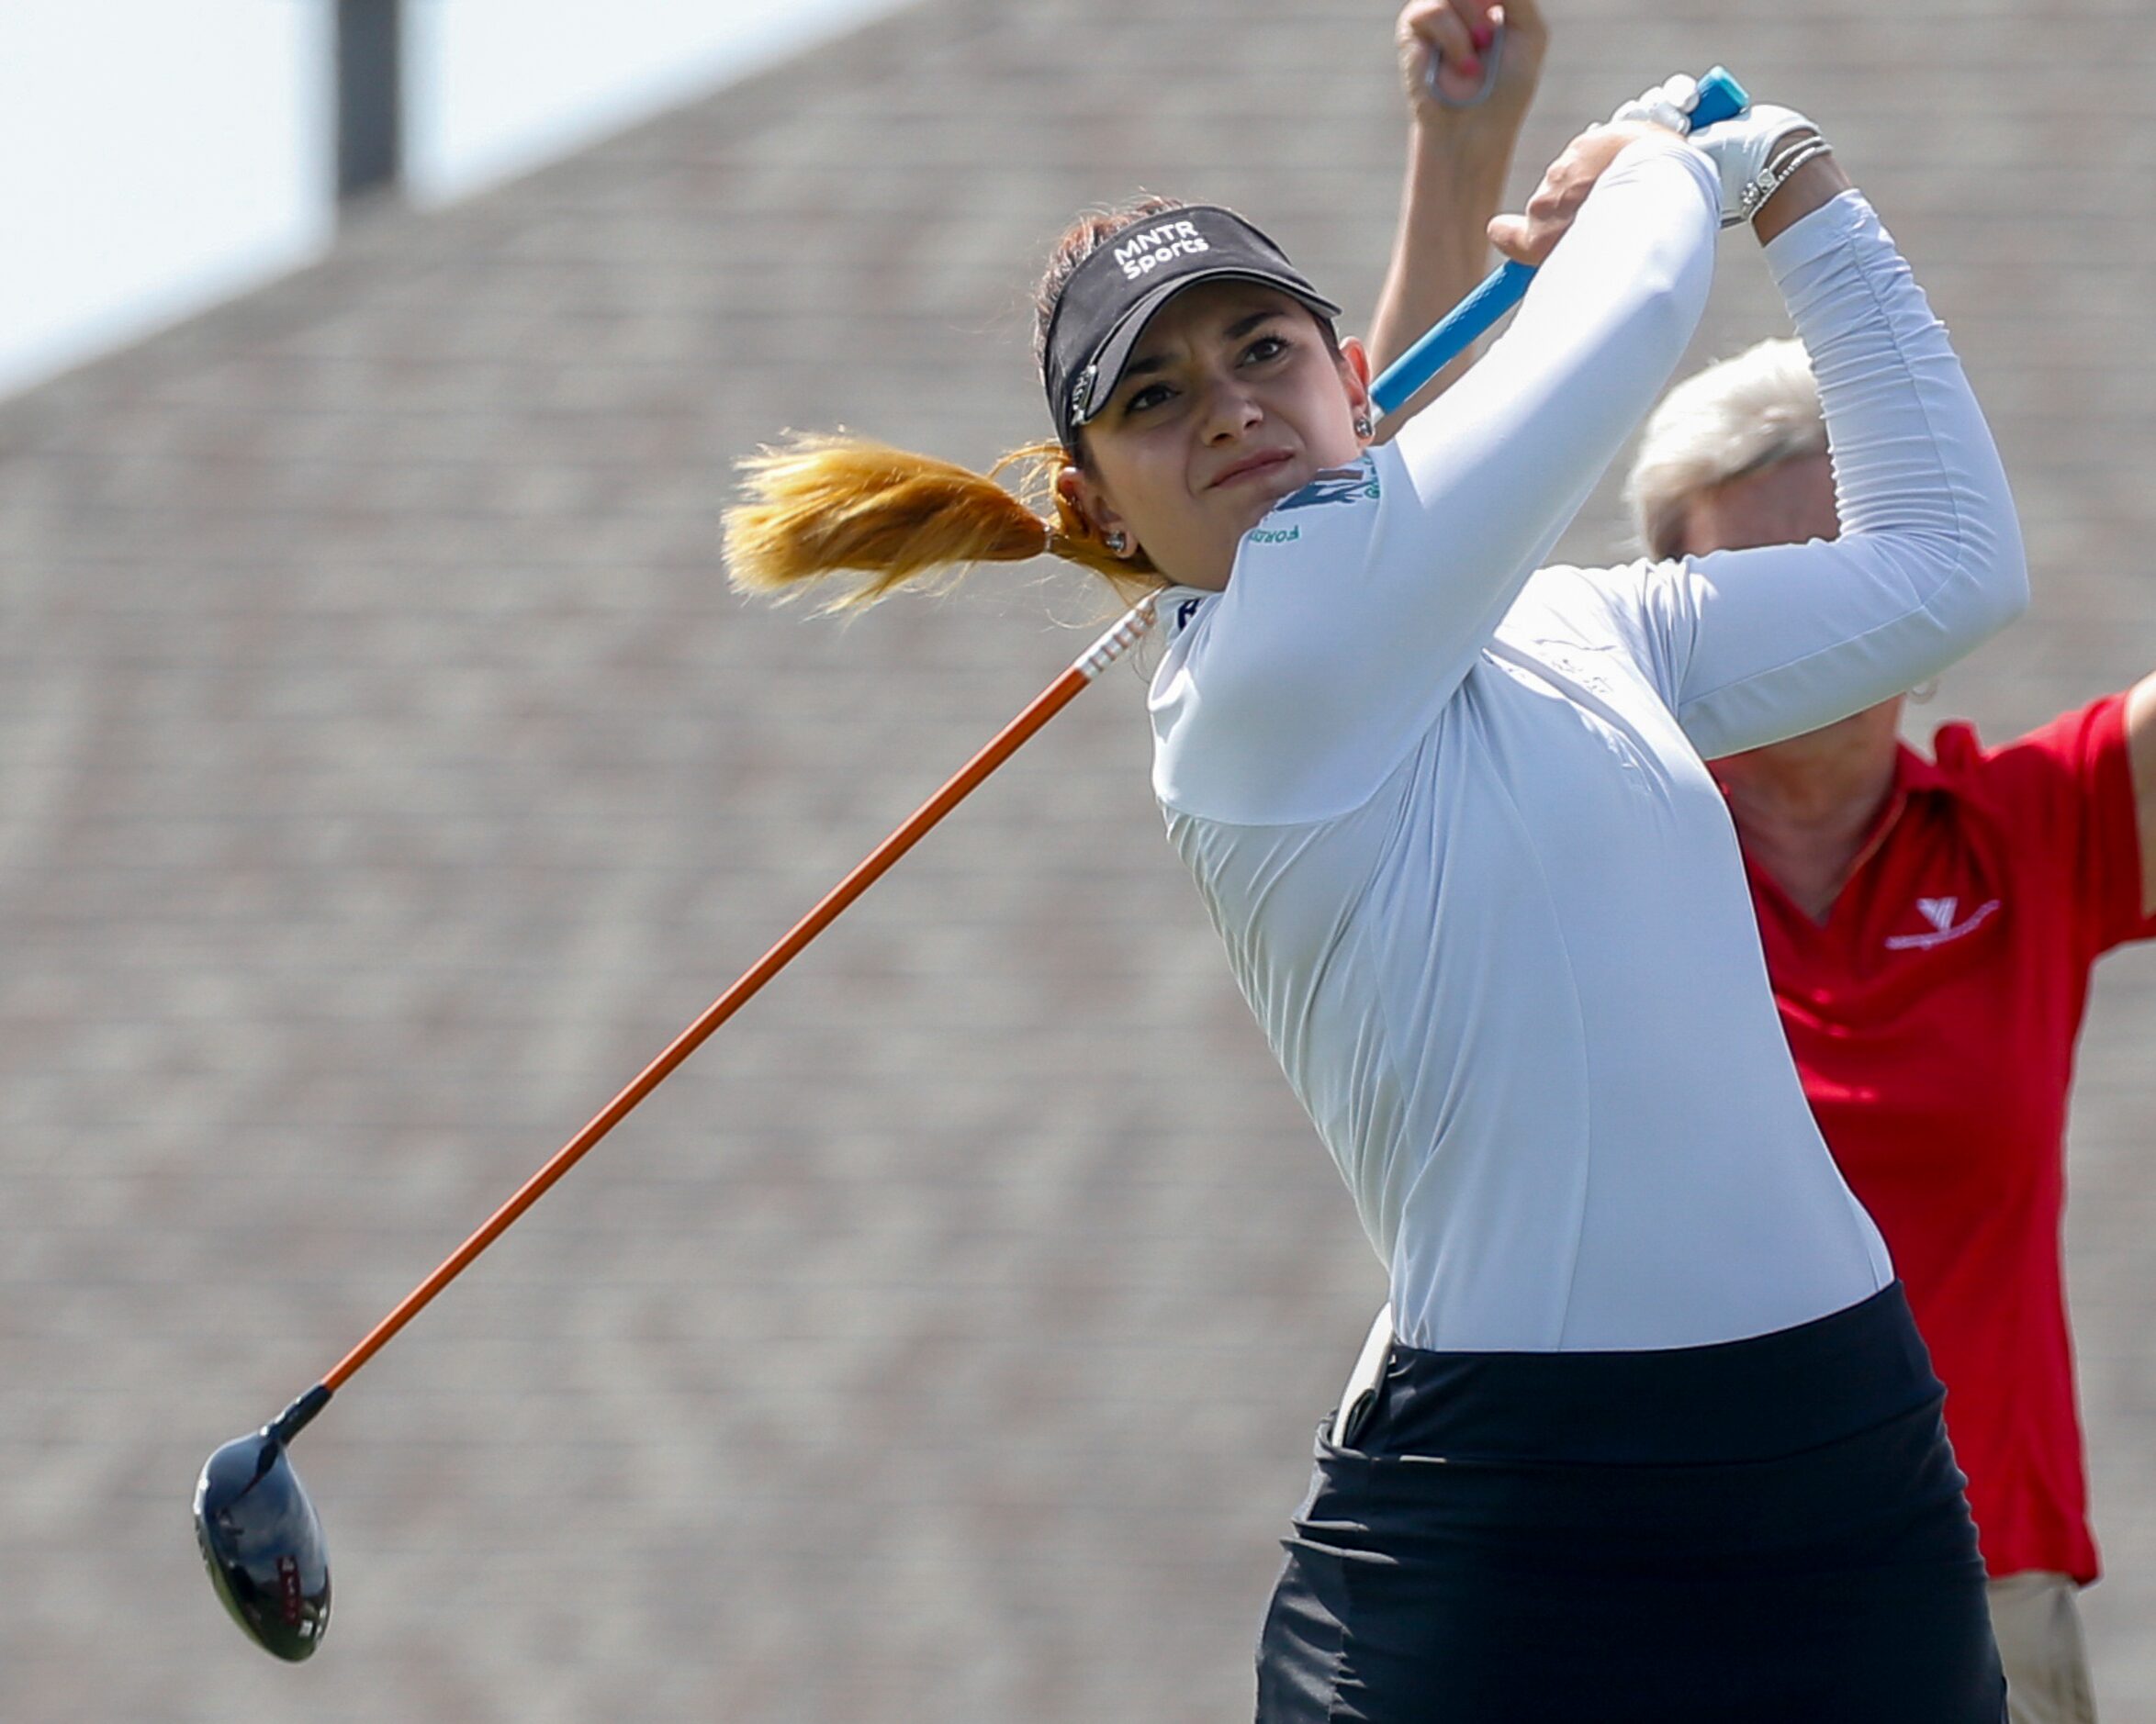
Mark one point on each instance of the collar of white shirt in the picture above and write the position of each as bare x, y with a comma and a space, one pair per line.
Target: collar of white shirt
1177, 608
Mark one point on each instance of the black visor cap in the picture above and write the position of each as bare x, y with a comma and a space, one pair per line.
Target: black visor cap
1113, 294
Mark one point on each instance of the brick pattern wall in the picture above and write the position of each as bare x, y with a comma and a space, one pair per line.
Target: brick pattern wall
390, 775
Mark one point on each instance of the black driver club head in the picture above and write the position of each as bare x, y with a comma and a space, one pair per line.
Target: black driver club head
262, 1544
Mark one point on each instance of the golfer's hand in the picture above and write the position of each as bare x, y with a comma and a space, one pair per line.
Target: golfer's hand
1443, 46
1530, 236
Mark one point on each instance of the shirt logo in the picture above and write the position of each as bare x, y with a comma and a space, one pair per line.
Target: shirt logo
1939, 912
1144, 253
1335, 485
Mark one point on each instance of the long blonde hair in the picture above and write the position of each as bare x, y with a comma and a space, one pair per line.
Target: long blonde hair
872, 519
818, 506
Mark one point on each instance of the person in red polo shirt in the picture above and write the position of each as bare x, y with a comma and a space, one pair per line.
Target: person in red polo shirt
1929, 924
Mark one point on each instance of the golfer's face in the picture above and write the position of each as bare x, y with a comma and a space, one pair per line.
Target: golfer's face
1231, 402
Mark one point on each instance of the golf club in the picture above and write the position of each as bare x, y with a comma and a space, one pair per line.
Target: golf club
1721, 97
259, 1534
257, 1529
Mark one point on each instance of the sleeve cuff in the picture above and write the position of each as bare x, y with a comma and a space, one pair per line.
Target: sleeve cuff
1840, 218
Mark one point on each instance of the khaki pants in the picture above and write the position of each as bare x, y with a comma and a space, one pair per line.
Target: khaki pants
2038, 1625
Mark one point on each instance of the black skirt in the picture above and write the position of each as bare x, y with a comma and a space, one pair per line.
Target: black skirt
1766, 1531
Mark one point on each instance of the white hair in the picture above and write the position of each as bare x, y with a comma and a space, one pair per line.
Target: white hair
1737, 415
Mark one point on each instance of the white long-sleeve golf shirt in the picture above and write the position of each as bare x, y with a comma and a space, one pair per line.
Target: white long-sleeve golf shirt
1449, 816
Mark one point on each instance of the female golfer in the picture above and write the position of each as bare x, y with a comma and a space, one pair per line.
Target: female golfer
1929, 922
1657, 1440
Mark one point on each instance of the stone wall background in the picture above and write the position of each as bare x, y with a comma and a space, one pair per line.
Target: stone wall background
389, 775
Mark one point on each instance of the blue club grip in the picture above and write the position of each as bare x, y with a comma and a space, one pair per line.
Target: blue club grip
1721, 97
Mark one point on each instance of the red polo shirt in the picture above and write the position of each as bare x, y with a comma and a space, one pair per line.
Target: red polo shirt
1933, 1019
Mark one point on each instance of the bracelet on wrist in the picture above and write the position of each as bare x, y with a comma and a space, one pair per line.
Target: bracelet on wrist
1771, 178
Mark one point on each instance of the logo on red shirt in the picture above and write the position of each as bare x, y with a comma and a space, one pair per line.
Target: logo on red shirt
1939, 912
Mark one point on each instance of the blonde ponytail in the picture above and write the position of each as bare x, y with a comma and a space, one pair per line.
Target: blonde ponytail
821, 506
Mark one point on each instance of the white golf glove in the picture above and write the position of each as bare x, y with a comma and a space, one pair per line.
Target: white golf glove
1755, 153
1668, 104
1752, 154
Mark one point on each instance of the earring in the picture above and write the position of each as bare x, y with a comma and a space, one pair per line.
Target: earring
1362, 426
1115, 542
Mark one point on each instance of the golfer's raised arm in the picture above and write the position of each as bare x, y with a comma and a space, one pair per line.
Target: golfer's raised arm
1759, 645
1503, 462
